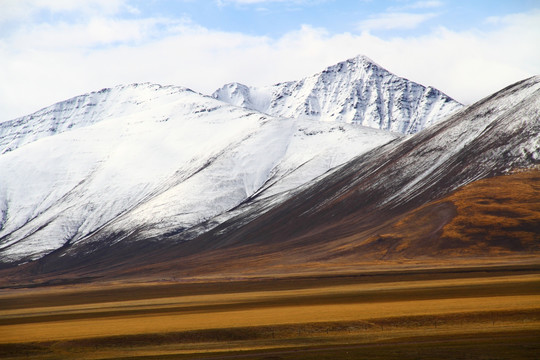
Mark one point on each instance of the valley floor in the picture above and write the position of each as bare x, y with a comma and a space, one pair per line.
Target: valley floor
489, 312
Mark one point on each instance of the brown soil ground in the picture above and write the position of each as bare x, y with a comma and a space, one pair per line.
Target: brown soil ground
480, 312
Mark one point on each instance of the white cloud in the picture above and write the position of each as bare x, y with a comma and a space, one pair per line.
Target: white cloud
418, 5
96, 32
17, 10
247, 1
395, 20
521, 19
45, 63
251, 2
425, 4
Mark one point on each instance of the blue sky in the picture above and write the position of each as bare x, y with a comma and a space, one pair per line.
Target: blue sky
276, 18
54, 49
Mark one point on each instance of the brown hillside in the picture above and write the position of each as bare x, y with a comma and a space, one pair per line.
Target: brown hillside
499, 215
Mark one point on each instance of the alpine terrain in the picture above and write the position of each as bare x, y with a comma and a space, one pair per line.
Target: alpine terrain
183, 175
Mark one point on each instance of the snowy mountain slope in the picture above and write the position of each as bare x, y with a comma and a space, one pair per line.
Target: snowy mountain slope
152, 160
354, 91
82, 111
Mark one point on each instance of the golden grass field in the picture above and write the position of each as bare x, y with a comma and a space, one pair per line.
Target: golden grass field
467, 313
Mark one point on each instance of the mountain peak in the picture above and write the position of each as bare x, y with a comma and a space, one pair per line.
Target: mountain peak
356, 91
362, 61
152, 86
353, 65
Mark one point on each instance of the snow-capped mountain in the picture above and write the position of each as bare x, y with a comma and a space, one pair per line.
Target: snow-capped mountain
150, 160
354, 91
388, 203
136, 170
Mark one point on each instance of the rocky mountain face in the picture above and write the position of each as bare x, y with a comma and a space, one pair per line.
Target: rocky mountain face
356, 91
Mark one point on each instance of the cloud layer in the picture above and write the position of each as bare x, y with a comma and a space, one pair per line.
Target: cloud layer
43, 62
395, 20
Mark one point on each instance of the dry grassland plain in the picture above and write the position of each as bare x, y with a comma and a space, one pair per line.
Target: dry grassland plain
459, 313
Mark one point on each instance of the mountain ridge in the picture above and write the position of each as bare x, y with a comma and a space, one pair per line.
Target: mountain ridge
79, 111
356, 90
